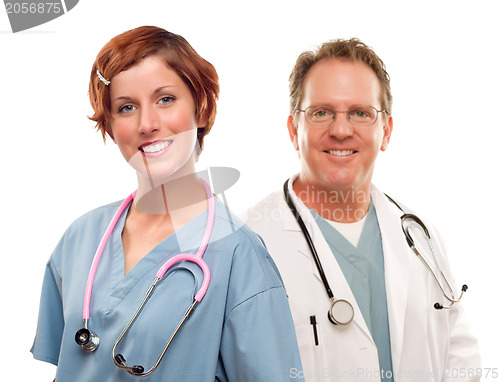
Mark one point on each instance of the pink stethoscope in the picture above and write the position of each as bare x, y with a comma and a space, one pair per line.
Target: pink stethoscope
89, 341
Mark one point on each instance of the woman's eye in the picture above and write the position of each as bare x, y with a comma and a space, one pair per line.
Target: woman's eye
166, 100
126, 109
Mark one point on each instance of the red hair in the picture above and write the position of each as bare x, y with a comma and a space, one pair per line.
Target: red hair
130, 48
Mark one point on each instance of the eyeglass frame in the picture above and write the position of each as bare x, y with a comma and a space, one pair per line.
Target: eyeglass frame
340, 111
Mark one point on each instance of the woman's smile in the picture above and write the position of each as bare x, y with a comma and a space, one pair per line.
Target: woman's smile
154, 149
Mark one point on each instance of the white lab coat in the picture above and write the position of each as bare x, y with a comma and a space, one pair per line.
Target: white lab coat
426, 344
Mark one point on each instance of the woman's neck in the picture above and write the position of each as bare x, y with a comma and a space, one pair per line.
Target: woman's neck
179, 199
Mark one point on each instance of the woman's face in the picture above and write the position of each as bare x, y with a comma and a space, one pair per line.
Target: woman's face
153, 118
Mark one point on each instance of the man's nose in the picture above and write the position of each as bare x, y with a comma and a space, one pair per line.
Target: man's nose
340, 127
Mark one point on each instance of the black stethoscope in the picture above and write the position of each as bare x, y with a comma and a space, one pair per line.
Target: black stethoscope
448, 294
341, 311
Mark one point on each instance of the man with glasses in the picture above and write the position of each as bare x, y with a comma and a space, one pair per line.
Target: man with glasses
365, 307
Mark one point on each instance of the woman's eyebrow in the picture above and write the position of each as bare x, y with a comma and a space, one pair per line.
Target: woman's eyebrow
161, 88
157, 90
124, 98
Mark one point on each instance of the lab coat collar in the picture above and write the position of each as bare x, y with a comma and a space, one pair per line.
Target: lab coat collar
288, 220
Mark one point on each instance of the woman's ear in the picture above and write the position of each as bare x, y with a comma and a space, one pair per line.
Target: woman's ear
109, 131
202, 121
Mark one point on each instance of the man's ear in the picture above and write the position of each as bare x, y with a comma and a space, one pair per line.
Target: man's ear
387, 134
292, 132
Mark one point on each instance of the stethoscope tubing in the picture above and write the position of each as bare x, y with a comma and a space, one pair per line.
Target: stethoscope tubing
307, 236
335, 319
197, 259
97, 256
405, 217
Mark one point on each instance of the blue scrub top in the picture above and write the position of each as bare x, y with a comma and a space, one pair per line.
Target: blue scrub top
241, 331
363, 268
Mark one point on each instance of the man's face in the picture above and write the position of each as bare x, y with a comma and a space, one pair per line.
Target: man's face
339, 155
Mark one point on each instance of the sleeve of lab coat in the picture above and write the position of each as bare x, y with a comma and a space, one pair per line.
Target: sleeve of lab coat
464, 358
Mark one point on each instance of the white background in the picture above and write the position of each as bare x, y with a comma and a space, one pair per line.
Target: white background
442, 160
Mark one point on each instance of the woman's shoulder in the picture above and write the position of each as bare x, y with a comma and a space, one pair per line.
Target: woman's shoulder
97, 215
250, 258
82, 236
231, 228
95, 220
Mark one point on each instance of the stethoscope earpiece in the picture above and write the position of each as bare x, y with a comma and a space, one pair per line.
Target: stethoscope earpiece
439, 306
136, 370
89, 341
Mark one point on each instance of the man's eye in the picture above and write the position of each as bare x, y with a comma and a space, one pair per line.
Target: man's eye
320, 113
361, 113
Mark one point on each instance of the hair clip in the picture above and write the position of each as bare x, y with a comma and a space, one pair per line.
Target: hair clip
105, 81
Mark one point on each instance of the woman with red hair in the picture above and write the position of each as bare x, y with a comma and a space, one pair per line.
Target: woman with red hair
219, 310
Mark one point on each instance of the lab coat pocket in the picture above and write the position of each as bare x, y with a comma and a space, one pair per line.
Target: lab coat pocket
312, 351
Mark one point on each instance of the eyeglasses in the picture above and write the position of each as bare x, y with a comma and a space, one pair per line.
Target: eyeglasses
357, 115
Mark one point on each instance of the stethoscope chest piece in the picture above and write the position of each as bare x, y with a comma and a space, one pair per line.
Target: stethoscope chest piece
341, 312
89, 341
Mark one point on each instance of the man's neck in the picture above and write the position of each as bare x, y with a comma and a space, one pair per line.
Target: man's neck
343, 205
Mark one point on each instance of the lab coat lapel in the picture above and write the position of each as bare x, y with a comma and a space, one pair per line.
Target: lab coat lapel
334, 275
289, 223
396, 270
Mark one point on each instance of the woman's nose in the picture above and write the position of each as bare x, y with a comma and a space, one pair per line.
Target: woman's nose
149, 122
